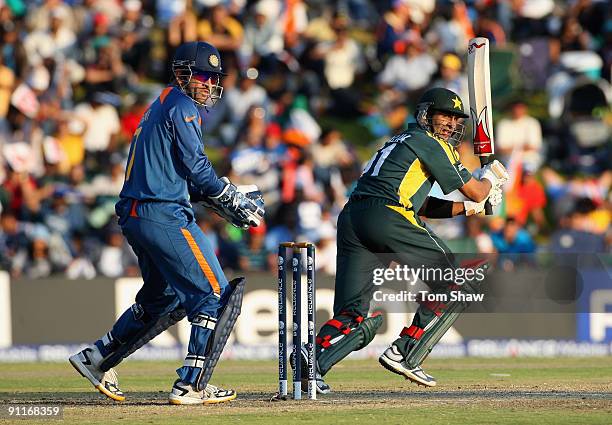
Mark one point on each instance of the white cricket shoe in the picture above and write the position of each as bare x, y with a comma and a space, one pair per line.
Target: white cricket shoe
87, 363
393, 361
183, 393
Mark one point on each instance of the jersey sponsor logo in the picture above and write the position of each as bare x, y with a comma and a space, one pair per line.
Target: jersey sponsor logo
189, 119
459, 166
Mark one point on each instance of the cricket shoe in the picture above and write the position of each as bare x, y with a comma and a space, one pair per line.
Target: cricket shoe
183, 393
393, 361
322, 386
87, 363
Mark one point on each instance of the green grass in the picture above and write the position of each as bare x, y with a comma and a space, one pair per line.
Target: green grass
474, 391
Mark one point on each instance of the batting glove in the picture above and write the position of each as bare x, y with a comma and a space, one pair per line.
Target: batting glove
472, 208
495, 172
496, 196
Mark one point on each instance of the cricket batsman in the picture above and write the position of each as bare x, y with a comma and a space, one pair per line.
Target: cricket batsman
382, 219
166, 170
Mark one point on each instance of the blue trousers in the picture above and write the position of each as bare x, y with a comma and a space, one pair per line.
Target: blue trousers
179, 269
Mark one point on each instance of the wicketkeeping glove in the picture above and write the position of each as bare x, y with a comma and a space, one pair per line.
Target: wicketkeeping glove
243, 206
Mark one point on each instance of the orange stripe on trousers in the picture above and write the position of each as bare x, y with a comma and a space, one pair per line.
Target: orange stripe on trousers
202, 261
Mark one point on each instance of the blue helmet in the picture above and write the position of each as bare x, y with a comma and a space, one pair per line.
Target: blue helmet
201, 60
201, 56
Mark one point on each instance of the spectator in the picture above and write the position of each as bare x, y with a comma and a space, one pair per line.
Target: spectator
221, 30
253, 253
286, 227
66, 215
102, 127
530, 18
14, 54
57, 41
525, 197
38, 265
112, 261
513, 239
40, 18
135, 38
481, 239
410, 69
572, 36
295, 22
342, 57
245, 97
451, 77
21, 193
263, 37
7, 85
167, 10
577, 234
519, 138
388, 116
342, 62
326, 247
106, 73
451, 28
257, 163
131, 116
14, 243
330, 157
487, 26
310, 214
81, 266
394, 27
107, 184
182, 27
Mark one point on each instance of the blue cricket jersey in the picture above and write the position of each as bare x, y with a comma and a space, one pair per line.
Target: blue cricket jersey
167, 159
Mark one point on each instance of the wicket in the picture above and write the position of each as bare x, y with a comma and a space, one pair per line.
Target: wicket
296, 302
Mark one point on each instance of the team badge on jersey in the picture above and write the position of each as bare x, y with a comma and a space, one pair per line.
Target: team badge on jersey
457, 103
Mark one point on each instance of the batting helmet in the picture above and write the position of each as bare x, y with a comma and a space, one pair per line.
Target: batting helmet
440, 100
201, 60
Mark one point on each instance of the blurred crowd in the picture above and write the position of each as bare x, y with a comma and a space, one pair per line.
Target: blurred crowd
313, 89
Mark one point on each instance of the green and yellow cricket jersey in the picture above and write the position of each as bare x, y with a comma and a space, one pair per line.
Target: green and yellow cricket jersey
406, 167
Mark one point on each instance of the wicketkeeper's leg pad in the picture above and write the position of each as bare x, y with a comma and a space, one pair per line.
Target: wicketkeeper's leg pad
230, 310
342, 335
152, 328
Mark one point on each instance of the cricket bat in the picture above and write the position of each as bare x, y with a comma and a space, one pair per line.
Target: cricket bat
481, 109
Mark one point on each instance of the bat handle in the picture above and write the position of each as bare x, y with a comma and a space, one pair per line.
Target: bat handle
484, 160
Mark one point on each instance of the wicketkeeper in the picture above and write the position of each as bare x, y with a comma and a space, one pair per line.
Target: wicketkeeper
167, 168
381, 222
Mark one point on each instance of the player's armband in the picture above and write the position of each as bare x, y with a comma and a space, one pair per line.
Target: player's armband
437, 208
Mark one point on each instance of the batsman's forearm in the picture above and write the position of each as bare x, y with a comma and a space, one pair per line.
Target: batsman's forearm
441, 208
476, 190
458, 208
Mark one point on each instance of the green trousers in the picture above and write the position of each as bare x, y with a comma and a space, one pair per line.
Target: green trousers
371, 234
